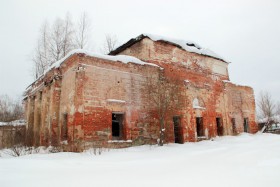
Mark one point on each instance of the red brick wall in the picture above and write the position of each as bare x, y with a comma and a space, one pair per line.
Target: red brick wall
204, 83
87, 88
106, 81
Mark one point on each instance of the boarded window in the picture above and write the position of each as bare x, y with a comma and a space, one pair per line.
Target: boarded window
199, 126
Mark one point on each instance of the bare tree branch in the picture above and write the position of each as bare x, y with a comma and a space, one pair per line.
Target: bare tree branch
56, 42
266, 105
110, 43
164, 96
10, 109
266, 109
82, 36
68, 35
41, 56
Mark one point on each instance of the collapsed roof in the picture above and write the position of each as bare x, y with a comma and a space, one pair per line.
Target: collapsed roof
185, 45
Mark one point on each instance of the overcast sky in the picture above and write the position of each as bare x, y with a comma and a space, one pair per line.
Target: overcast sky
245, 32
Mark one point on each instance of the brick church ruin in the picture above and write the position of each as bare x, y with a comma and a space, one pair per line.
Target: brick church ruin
148, 85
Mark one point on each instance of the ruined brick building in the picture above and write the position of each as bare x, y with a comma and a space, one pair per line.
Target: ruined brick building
109, 100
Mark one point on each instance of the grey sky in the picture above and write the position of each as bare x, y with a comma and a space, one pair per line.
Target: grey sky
245, 32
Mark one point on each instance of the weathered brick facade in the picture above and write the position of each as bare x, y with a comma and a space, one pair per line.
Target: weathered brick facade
92, 100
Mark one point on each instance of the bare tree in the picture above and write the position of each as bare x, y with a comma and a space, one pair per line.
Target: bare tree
41, 56
57, 41
110, 43
164, 96
68, 35
278, 109
5, 108
61, 38
10, 110
83, 30
53, 44
266, 108
17, 110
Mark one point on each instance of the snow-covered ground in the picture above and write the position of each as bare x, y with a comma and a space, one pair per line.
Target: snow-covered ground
245, 160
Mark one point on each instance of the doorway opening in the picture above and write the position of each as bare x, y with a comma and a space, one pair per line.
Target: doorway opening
117, 126
177, 129
220, 129
64, 132
199, 126
234, 130
246, 125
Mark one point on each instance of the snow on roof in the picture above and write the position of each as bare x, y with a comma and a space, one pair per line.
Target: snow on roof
226, 81
118, 58
186, 45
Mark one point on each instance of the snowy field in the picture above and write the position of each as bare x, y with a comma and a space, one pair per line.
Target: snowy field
245, 160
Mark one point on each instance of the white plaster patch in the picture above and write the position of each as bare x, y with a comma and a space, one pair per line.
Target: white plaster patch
80, 109
196, 104
72, 110
219, 68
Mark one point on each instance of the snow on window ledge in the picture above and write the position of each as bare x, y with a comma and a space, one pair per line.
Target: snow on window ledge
115, 101
201, 137
199, 107
226, 81
120, 141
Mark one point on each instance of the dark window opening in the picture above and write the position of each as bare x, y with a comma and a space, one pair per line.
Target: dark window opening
234, 130
115, 129
64, 127
219, 127
117, 126
177, 129
246, 125
199, 126
41, 93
